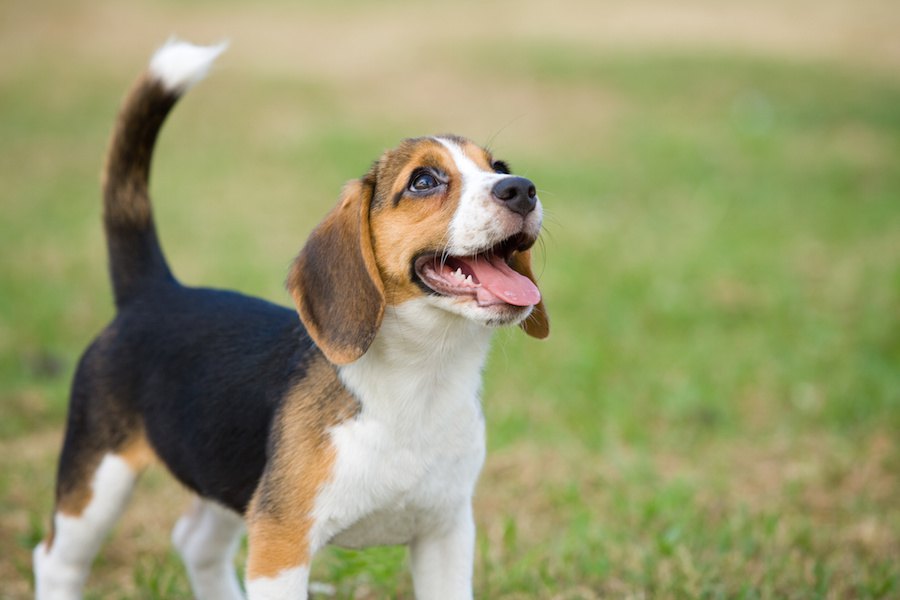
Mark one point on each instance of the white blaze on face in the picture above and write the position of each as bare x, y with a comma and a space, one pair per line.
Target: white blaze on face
481, 221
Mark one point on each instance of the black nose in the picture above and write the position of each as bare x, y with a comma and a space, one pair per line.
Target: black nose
517, 193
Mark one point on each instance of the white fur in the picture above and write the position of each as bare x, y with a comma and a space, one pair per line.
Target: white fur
441, 562
405, 468
207, 537
407, 465
61, 572
290, 584
481, 221
179, 65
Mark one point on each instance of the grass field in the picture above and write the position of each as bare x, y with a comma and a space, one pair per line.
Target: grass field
717, 411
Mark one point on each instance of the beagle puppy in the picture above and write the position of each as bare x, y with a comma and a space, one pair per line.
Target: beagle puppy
357, 424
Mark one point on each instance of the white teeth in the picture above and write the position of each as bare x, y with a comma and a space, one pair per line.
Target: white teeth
461, 277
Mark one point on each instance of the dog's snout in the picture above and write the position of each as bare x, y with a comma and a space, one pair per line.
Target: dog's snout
517, 193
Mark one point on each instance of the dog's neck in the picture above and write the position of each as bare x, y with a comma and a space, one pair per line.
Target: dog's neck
423, 361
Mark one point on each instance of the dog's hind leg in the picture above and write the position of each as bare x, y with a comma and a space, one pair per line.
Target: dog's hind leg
104, 452
81, 520
207, 537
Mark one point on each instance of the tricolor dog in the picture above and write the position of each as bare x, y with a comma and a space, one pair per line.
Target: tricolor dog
357, 424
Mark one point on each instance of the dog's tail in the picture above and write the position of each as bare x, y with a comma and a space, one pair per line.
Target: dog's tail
135, 256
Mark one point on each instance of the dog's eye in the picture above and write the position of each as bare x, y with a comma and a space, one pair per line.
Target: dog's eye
501, 167
423, 181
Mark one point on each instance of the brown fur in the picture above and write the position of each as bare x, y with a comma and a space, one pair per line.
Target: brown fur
334, 281
127, 215
356, 262
128, 164
136, 452
395, 247
279, 517
72, 501
537, 325
477, 154
370, 231
238, 399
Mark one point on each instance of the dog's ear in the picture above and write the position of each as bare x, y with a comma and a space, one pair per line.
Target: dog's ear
335, 281
537, 324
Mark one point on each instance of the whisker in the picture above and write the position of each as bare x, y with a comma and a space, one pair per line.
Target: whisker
490, 141
445, 252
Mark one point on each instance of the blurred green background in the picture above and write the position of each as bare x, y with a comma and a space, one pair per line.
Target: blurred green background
716, 412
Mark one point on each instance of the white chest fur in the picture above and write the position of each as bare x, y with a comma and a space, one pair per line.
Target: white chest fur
410, 461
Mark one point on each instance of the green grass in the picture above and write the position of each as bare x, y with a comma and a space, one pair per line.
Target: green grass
716, 412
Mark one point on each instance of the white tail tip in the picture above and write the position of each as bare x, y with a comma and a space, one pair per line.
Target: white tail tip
179, 65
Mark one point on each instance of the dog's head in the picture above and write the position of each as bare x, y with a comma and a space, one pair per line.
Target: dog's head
437, 219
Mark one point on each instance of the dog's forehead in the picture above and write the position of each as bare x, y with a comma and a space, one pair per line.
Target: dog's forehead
465, 153
452, 154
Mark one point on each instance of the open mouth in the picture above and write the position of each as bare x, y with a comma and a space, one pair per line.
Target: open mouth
486, 276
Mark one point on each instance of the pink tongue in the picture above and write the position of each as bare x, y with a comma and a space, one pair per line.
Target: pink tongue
500, 284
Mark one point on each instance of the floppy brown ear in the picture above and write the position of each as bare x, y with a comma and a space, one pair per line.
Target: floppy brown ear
335, 282
537, 324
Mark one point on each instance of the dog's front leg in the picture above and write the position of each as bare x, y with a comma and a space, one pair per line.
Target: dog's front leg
442, 561
279, 535
278, 559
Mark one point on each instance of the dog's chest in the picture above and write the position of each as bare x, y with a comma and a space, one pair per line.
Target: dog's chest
407, 463
422, 498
